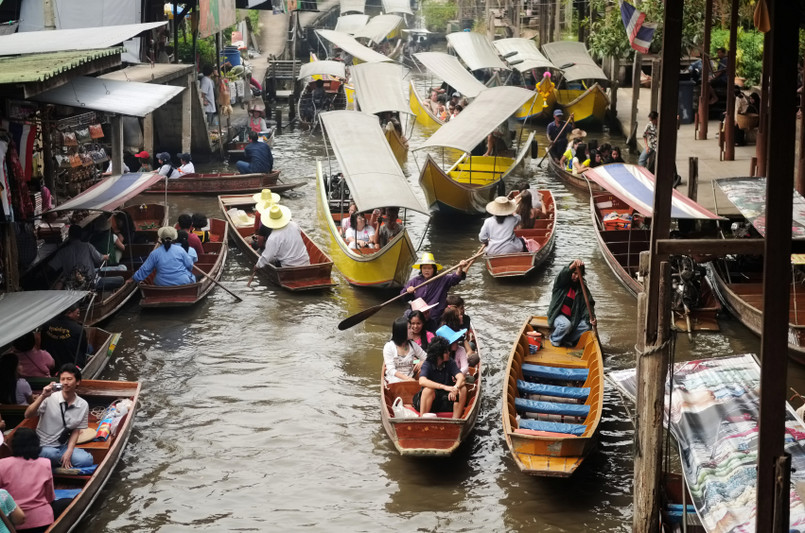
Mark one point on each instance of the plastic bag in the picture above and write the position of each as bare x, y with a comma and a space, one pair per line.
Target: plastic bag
400, 411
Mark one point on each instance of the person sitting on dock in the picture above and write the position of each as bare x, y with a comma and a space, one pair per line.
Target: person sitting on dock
63, 338
285, 246
568, 313
185, 223
62, 415
554, 128
35, 362
497, 232
434, 293
172, 264
402, 356
258, 156
444, 387
165, 167
186, 166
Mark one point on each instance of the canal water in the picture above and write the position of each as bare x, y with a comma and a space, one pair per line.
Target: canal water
262, 416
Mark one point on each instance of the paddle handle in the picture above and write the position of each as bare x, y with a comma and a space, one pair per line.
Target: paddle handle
238, 298
548, 149
589, 308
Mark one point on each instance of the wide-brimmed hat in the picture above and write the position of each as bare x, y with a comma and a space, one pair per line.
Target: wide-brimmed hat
501, 206
577, 134
421, 305
265, 198
427, 259
558, 113
275, 217
256, 109
86, 435
143, 155
446, 332
164, 156
167, 232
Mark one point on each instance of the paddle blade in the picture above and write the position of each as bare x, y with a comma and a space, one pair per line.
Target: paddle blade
357, 318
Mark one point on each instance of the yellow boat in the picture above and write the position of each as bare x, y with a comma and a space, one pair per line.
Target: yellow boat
523, 55
365, 157
421, 110
589, 107
537, 107
349, 91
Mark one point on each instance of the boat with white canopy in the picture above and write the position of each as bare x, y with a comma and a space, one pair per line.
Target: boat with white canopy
475, 50
352, 6
524, 56
379, 28
472, 181
330, 75
349, 24
375, 181
348, 44
582, 95
397, 6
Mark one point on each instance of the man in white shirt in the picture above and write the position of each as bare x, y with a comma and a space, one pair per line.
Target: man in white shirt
207, 89
187, 164
109, 169
284, 247
164, 166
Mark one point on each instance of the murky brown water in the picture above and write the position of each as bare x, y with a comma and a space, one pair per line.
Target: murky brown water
262, 416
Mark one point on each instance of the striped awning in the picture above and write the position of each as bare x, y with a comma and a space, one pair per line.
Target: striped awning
111, 193
749, 196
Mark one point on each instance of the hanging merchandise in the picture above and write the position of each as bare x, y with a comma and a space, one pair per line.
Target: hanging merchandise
5, 200
69, 139
96, 131
82, 135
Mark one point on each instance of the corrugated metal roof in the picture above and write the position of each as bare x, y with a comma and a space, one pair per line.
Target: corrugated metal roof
30, 68
475, 50
34, 42
573, 59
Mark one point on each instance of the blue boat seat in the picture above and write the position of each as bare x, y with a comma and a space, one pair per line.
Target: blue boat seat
552, 408
553, 427
674, 512
576, 393
555, 373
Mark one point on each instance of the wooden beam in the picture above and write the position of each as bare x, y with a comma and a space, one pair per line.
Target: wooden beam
631, 135
704, 100
693, 178
117, 145
718, 247
729, 118
763, 120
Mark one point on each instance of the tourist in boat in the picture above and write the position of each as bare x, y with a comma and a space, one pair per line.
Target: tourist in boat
257, 122
78, 263
536, 197
182, 239
165, 167
456, 302
346, 221
455, 339
568, 315
595, 159
285, 246
553, 132
616, 157
144, 159
34, 361
63, 338
434, 293
14, 390
10, 508
258, 156
444, 387
185, 223
416, 329
172, 264
29, 478
186, 167
403, 357
108, 242
360, 234
390, 227
201, 226
525, 211
567, 157
581, 161
497, 232
62, 416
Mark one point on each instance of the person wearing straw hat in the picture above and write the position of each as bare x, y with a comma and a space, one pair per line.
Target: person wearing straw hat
172, 264
433, 293
568, 313
257, 122
498, 230
263, 201
165, 167
258, 156
284, 247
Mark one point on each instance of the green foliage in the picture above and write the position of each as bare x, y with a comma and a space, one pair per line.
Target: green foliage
748, 54
437, 13
607, 35
254, 21
206, 51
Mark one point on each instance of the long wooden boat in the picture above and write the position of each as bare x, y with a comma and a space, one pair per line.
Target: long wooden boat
106, 454
235, 149
418, 436
588, 106
537, 108
523, 263
211, 262
552, 402
232, 183
397, 144
317, 275
421, 110
524, 55
575, 181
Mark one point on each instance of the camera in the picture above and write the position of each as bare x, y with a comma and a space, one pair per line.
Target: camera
65, 436
56, 387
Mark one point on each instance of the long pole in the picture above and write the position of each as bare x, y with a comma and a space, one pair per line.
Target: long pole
197, 269
704, 100
548, 149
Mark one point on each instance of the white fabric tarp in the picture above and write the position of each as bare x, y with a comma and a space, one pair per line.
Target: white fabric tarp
379, 27
490, 109
368, 163
574, 54
27, 310
69, 14
349, 24
525, 56
397, 6
131, 98
449, 69
353, 6
475, 50
112, 192
378, 87
352, 47
322, 68
34, 42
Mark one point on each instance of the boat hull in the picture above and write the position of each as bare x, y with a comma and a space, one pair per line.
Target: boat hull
424, 116
398, 145
537, 108
222, 184
572, 180
589, 107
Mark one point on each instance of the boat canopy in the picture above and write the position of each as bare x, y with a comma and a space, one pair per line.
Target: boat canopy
397, 6
749, 196
524, 54
349, 24
634, 185
368, 163
450, 70
379, 27
490, 109
573, 59
323, 68
356, 6
110, 193
27, 310
352, 47
378, 87
475, 50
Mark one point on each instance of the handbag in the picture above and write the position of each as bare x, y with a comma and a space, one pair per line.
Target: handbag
96, 131
69, 139
83, 135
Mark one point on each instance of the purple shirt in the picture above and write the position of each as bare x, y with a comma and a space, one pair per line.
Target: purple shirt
434, 292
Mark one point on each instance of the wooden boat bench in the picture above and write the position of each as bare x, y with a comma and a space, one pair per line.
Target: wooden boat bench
553, 427
555, 373
551, 408
543, 389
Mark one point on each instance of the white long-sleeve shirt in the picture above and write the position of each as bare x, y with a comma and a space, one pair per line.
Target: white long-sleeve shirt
286, 246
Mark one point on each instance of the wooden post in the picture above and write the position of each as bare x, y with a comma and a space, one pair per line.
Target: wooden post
10, 256
704, 98
187, 113
117, 145
693, 178
175, 32
799, 183
763, 120
553, 7
148, 133
218, 105
729, 117
614, 84
631, 136
753, 166
656, 74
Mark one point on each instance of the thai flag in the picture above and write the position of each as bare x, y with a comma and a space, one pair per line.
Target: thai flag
640, 34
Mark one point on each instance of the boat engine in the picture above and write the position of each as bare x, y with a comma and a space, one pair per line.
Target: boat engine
686, 283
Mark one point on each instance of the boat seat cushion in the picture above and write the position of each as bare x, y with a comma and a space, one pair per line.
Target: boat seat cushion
551, 408
553, 427
541, 433
576, 393
556, 373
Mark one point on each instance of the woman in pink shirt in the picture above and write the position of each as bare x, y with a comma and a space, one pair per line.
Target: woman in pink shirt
34, 362
29, 479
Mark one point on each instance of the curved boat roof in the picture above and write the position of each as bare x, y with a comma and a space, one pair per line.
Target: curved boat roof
449, 69
349, 24
357, 6
27, 310
475, 50
372, 172
378, 87
525, 54
397, 6
323, 68
379, 27
491, 108
352, 47
580, 65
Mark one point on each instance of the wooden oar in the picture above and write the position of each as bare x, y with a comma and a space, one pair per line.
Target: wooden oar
357, 318
238, 298
548, 150
589, 309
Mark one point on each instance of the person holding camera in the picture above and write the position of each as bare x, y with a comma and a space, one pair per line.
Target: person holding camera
62, 415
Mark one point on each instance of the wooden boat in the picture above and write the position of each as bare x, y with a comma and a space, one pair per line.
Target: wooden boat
580, 92
233, 183
421, 110
106, 454
314, 276
235, 148
552, 402
430, 437
472, 181
363, 154
211, 262
523, 263
574, 181
537, 108
398, 145
524, 55
332, 74
589, 106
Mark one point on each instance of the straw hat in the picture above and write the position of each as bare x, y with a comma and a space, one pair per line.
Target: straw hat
265, 199
86, 435
256, 109
421, 305
275, 217
501, 206
167, 232
427, 259
577, 134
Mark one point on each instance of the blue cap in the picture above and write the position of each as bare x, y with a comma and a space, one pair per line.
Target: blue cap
558, 113
446, 332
